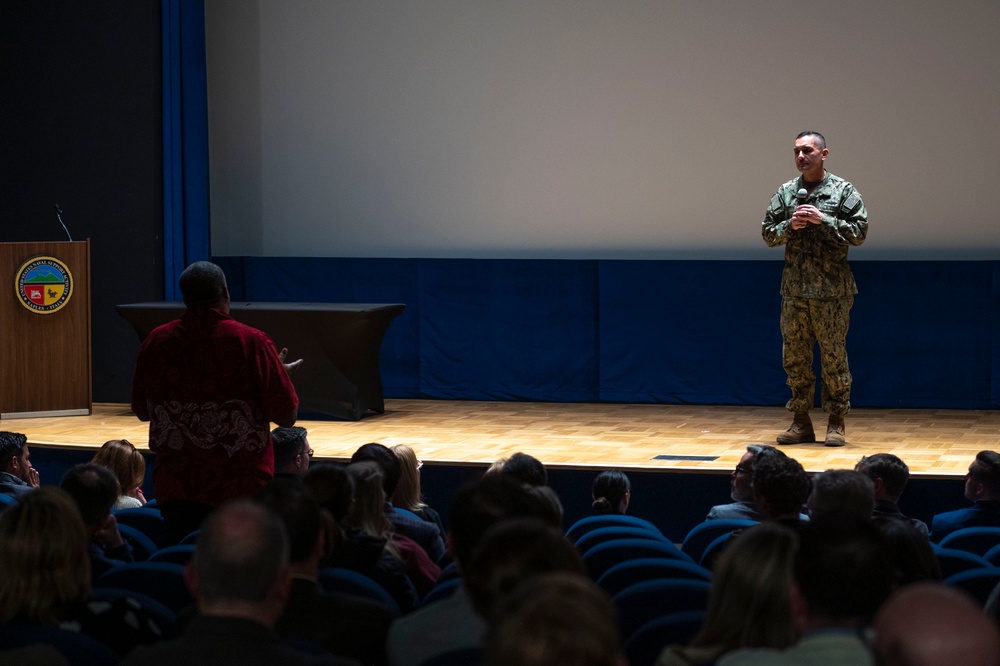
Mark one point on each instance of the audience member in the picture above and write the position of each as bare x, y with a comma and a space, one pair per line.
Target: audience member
292, 453
743, 505
424, 533
749, 604
46, 575
408, 494
549, 506
368, 514
17, 476
560, 619
982, 488
342, 624
926, 624
512, 553
914, 559
94, 490
841, 493
128, 466
526, 469
780, 488
452, 624
333, 488
209, 387
240, 578
889, 474
841, 575
611, 492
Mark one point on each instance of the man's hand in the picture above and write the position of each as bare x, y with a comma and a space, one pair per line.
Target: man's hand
33, 478
805, 215
288, 366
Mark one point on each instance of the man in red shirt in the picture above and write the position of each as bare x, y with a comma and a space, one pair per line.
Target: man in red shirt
210, 388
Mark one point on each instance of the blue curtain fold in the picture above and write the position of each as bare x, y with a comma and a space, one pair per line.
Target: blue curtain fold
185, 140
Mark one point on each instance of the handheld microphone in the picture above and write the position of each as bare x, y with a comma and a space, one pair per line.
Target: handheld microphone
59, 217
801, 195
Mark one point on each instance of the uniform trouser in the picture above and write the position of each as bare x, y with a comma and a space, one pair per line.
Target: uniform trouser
804, 323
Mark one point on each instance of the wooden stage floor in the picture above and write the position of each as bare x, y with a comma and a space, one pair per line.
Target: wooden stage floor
698, 438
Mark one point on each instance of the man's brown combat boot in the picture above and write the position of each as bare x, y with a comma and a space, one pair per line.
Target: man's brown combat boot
835, 430
800, 432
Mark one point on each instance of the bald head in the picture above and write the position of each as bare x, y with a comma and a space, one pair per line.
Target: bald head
928, 623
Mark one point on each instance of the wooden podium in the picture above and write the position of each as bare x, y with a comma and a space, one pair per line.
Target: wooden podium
45, 363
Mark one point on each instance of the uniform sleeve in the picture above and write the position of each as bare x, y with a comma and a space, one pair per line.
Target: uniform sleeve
849, 224
776, 225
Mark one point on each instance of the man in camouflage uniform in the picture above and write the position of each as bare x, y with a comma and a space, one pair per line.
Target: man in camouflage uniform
817, 286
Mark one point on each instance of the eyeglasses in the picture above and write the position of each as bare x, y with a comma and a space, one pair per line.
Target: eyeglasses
420, 463
740, 469
309, 453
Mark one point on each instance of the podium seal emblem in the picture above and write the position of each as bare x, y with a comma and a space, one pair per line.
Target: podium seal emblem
43, 285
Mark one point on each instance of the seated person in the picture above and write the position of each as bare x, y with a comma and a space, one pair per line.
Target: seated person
842, 573
292, 453
240, 579
408, 494
424, 533
890, 475
47, 575
929, 623
526, 469
128, 466
982, 488
611, 492
94, 489
17, 476
343, 624
780, 488
840, 493
743, 505
559, 618
749, 605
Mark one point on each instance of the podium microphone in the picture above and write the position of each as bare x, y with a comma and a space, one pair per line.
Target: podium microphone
59, 217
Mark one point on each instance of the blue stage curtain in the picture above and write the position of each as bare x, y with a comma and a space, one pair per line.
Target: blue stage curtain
185, 139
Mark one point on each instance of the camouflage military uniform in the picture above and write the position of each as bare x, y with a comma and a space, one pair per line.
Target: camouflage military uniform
817, 287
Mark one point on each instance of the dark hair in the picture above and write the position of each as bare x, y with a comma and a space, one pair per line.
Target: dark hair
288, 443
483, 503
332, 487
292, 502
760, 452
202, 284
891, 469
781, 482
241, 550
608, 490
913, 558
843, 569
384, 458
986, 470
93, 488
820, 140
842, 492
11, 446
526, 469
513, 552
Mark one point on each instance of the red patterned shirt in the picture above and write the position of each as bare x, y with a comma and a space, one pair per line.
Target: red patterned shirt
210, 388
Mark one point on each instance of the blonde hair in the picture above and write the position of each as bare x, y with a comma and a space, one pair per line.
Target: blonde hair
407, 494
124, 461
749, 604
44, 557
368, 510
